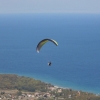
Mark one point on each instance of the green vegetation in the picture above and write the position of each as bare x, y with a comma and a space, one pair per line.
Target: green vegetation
41, 91
9, 81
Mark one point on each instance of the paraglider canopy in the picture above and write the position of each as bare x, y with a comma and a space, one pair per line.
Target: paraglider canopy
42, 42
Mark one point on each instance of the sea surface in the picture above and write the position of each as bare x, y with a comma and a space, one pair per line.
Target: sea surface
76, 59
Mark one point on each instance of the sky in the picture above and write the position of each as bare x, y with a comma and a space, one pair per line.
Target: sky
49, 6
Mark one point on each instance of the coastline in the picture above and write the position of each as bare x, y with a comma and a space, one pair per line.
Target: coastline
55, 84
18, 87
60, 85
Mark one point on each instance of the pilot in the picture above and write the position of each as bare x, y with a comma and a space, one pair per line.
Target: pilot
49, 63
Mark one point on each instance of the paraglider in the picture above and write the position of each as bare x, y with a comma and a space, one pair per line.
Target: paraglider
44, 41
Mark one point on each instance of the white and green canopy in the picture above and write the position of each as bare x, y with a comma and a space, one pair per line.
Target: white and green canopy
42, 42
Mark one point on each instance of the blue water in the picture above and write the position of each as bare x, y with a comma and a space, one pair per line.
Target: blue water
75, 61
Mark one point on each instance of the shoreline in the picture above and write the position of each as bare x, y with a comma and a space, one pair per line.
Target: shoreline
54, 84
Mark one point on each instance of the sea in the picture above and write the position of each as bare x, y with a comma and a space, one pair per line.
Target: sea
76, 59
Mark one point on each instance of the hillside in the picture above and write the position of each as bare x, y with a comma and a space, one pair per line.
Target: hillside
9, 81
19, 85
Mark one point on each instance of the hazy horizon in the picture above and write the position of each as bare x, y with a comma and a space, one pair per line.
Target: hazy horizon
49, 6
